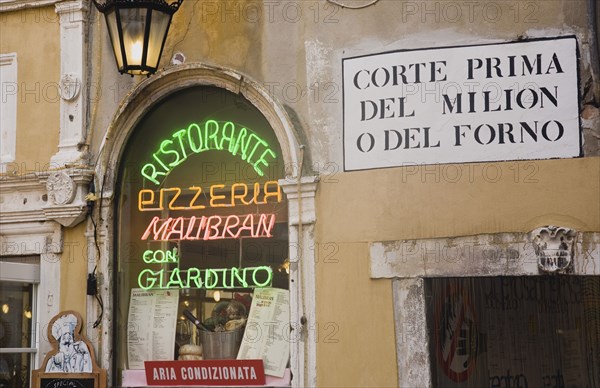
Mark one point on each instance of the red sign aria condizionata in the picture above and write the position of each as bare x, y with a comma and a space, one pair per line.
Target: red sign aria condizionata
205, 372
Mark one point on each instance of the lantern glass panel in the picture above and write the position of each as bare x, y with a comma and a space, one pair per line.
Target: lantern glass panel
113, 31
133, 25
158, 32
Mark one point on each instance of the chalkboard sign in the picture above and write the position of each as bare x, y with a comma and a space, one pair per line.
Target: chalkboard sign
71, 381
96, 379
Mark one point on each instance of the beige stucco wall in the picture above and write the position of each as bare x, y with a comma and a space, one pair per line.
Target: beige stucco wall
74, 269
34, 35
429, 202
356, 345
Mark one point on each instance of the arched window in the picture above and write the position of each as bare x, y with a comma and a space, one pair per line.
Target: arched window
201, 221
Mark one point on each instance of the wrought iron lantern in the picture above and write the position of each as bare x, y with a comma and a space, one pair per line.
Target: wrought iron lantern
138, 30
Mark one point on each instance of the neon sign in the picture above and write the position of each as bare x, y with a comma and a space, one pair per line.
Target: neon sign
160, 256
210, 135
199, 278
148, 201
210, 228
222, 278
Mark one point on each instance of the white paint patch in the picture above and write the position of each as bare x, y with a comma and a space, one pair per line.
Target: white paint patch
321, 94
317, 61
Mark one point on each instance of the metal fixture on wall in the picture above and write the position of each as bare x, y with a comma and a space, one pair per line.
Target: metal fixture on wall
138, 30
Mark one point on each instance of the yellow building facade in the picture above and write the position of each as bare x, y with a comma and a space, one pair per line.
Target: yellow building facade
386, 257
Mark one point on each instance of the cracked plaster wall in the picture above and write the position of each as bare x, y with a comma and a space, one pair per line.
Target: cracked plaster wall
295, 48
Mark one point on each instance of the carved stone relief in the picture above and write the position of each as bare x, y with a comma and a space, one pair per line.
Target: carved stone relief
61, 188
70, 86
554, 247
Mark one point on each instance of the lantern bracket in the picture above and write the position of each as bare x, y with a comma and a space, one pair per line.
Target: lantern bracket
163, 5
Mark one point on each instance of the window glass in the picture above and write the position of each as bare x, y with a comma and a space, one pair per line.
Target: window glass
538, 331
16, 333
200, 213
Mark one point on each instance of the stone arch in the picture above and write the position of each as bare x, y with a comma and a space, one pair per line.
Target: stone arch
154, 89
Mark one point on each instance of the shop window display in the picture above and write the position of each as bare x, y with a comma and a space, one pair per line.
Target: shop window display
201, 226
536, 331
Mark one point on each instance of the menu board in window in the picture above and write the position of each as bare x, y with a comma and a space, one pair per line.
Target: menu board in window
267, 333
151, 328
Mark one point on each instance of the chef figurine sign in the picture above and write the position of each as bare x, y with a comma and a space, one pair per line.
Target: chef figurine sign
72, 358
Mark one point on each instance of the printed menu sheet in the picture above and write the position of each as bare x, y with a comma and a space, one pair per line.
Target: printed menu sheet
267, 334
151, 326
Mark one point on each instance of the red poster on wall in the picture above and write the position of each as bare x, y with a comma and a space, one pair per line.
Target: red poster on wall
205, 372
